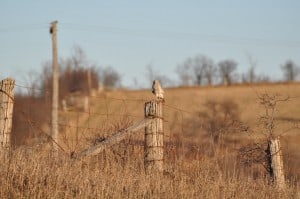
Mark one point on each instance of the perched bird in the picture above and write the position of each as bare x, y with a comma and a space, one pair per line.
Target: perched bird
51, 30
157, 90
52, 26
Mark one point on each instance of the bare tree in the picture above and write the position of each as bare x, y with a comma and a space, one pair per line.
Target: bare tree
77, 74
204, 68
32, 82
185, 73
226, 69
198, 69
46, 79
78, 58
290, 70
195, 70
110, 77
209, 69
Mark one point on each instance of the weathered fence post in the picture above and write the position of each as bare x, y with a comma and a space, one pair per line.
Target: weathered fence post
6, 111
154, 131
276, 170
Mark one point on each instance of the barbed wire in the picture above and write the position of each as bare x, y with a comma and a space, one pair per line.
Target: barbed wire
104, 97
22, 28
108, 114
31, 88
175, 35
90, 28
107, 98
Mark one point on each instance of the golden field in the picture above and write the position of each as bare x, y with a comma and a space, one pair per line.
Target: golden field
195, 164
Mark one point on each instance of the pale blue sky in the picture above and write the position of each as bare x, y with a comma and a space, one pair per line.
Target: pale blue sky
129, 35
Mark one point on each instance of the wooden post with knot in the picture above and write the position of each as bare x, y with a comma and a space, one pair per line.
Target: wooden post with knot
276, 167
154, 131
6, 112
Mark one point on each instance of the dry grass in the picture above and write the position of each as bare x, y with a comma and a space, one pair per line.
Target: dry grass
35, 173
195, 166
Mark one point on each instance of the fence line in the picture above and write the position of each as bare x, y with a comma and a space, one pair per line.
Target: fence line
122, 133
124, 100
103, 114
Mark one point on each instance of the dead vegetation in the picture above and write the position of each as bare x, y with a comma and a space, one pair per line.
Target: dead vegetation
37, 174
208, 151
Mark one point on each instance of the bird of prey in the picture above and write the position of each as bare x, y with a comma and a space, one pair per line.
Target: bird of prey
157, 90
52, 25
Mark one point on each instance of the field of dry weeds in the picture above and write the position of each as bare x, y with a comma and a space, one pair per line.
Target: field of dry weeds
207, 131
119, 173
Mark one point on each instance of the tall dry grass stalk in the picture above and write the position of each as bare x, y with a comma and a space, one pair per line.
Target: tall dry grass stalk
35, 173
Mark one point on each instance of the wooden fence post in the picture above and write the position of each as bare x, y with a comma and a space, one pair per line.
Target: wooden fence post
277, 171
154, 132
6, 111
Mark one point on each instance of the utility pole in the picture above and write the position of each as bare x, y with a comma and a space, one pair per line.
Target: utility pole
55, 79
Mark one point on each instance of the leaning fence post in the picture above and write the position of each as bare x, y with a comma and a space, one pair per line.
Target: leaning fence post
154, 131
6, 111
277, 171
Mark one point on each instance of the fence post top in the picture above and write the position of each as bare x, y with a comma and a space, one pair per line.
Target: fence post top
8, 80
157, 90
